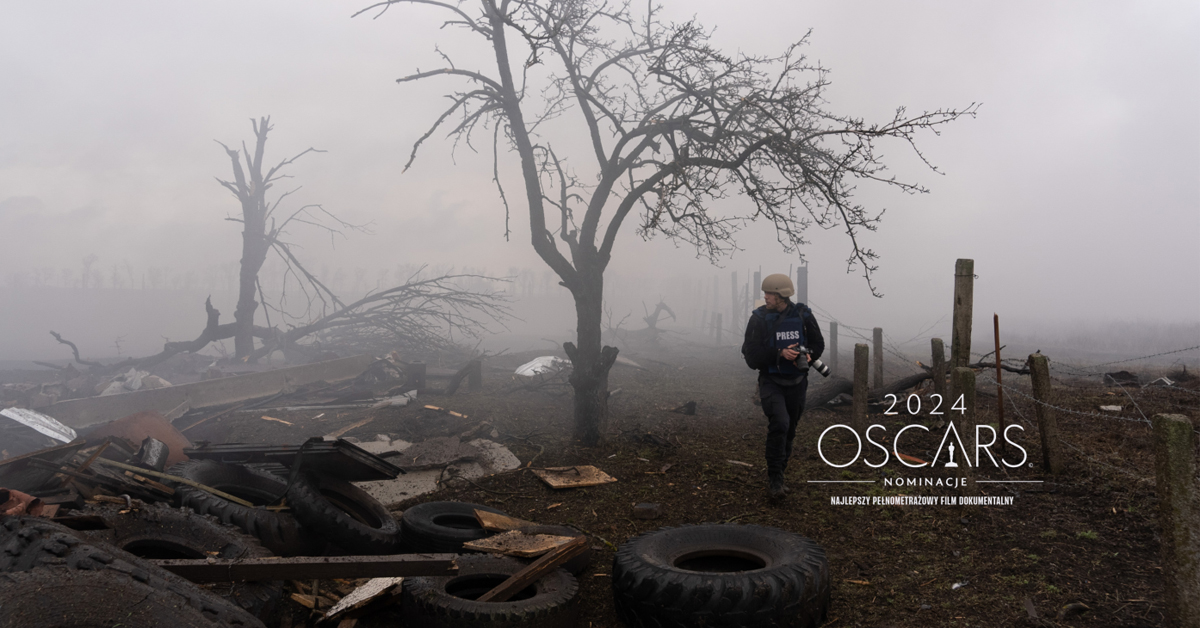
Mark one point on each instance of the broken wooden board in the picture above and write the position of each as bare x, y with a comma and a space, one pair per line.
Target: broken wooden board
364, 595
536, 570
494, 522
573, 477
203, 570
517, 543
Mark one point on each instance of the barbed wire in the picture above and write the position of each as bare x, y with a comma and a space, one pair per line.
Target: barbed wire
1060, 408
1088, 370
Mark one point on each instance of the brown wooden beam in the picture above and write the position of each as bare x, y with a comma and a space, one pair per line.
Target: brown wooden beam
311, 567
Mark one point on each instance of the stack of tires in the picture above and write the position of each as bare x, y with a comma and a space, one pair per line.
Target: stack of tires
323, 510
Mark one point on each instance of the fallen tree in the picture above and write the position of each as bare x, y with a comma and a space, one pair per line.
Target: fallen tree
421, 315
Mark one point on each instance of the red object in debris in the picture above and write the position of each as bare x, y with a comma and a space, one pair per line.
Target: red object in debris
136, 427
18, 503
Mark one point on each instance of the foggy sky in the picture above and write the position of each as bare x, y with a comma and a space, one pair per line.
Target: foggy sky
1076, 189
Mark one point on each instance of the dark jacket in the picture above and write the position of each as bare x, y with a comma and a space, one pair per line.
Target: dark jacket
761, 355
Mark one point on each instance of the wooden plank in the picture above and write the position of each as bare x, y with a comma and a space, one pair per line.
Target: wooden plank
497, 522
536, 570
311, 567
573, 477
517, 543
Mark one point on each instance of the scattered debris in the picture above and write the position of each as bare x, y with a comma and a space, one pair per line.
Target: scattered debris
396, 402
1121, 378
44, 424
1162, 381
647, 511
271, 418
135, 428
497, 522
358, 599
740, 463
1071, 610
573, 477
517, 543
1111, 408
535, 571
545, 365
336, 434
18, 503
624, 361
958, 585
688, 408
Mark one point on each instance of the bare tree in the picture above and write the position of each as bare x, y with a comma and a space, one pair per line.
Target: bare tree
674, 125
262, 233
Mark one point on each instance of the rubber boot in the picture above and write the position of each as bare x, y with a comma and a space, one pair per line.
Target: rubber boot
776, 489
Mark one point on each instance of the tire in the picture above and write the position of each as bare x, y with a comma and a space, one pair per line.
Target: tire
278, 531
159, 531
49, 577
442, 527
449, 601
721, 575
344, 514
575, 565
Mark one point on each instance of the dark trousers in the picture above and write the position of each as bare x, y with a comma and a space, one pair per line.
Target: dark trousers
783, 406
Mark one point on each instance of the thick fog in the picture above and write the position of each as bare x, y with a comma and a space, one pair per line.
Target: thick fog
1076, 189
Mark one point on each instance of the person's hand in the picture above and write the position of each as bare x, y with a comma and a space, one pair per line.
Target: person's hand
790, 354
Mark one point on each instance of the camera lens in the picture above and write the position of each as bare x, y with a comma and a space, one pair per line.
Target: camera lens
821, 367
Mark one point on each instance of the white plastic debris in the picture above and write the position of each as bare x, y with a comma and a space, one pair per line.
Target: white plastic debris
959, 585
44, 424
397, 401
1162, 381
1111, 408
543, 365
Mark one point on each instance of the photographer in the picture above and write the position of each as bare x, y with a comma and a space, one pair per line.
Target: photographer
782, 338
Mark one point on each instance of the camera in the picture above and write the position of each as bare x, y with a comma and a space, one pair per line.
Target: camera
820, 366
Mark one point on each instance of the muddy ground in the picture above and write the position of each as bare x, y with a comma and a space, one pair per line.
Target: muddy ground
1088, 537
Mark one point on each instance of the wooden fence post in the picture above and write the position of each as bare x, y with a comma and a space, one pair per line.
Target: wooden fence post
1179, 516
832, 353
964, 424
1039, 372
720, 322
757, 287
416, 377
861, 355
964, 287
802, 284
939, 366
877, 347
475, 376
733, 297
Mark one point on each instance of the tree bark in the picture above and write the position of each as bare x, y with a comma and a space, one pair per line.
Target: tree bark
590, 361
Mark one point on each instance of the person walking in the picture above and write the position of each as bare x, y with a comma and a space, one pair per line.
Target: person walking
781, 339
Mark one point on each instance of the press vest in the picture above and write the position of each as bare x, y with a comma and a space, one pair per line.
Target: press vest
785, 329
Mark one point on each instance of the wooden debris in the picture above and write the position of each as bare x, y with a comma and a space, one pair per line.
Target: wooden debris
445, 411
374, 589
271, 418
497, 522
573, 477
237, 500
740, 463
517, 543
275, 568
338, 433
536, 570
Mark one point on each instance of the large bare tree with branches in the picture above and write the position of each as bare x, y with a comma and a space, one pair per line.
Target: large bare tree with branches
673, 126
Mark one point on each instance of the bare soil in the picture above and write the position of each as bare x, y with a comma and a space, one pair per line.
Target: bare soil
1087, 537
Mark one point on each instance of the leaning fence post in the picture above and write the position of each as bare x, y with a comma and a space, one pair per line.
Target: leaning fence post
861, 355
939, 367
964, 381
1179, 516
832, 358
1039, 372
877, 347
964, 286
